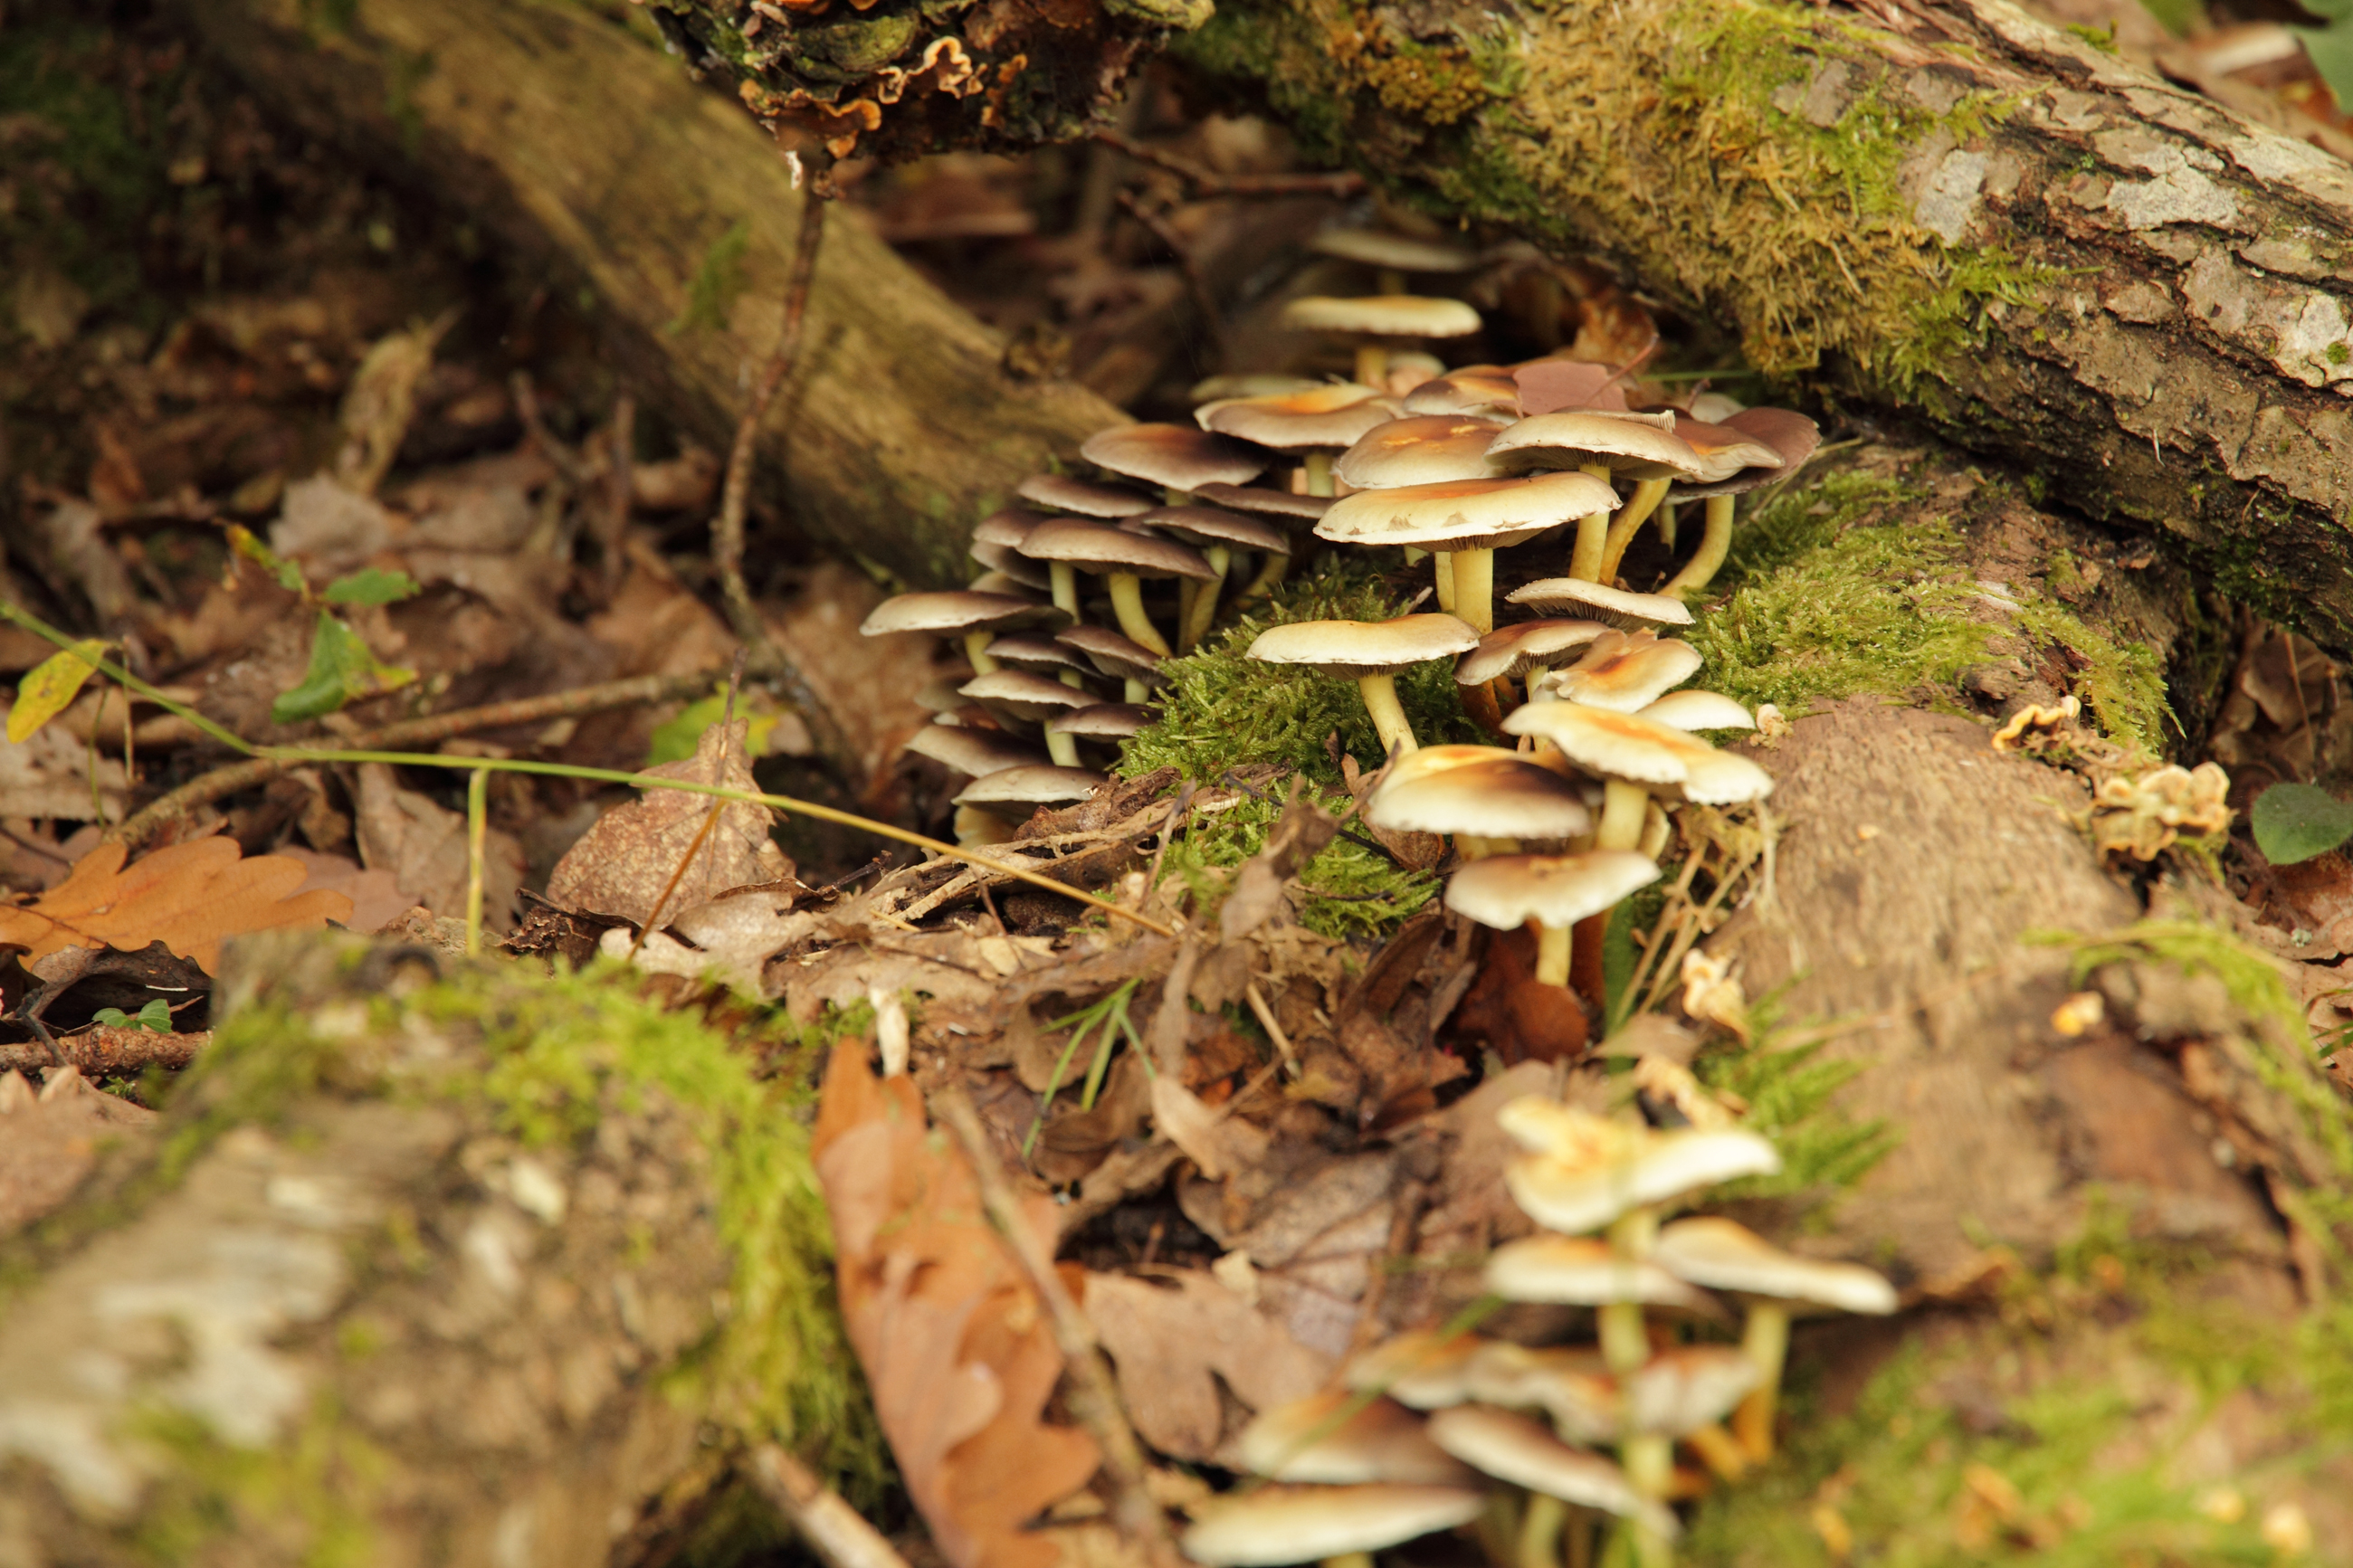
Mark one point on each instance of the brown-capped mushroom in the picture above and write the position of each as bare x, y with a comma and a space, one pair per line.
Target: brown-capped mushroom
1340, 1440
1487, 799
972, 615
1216, 533
1310, 424
1625, 671
1790, 437
1378, 322
1612, 447
1084, 497
1508, 891
1514, 651
1278, 1525
1069, 546
1370, 653
1470, 518
1177, 457
1123, 659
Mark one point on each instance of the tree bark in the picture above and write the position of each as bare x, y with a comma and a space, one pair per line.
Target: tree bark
565, 130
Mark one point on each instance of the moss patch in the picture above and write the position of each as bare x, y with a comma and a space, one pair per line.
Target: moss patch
1351, 891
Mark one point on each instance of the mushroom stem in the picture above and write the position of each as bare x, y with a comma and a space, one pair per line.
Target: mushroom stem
1127, 603
1063, 748
1592, 535
1767, 1343
1388, 713
1350, 1560
1540, 1523
1065, 581
1719, 1451
976, 649
1474, 588
978, 828
1713, 545
1667, 524
1442, 578
1650, 1465
1205, 598
1319, 471
1271, 573
1136, 690
1552, 954
1372, 364
1475, 847
1625, 1347
1624, 807
1630, 517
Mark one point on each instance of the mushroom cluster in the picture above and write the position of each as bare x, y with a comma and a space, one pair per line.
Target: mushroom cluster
1432, 1430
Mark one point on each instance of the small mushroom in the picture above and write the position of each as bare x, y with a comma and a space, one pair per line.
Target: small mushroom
1376, 323
1262, 502
1575, 596
1216, 533
1335, 1439
1015, 794
1424, 450
1470, 518
975, 615
1724, 1254
1424, 1369
1084, 497
1515, 1449
1123, 659
1371, 653
995, 545
1631, 754
1313, 424
1487, 389
1020, 694
1690, 710
1106, 722
1625, 671
1039, 656
1580, 1271
974, 752
1487, 798
1393, 255
1125, 559
1611, 447
1513, 651
1791, 437
1286, 1524
1179, 458
1508, 891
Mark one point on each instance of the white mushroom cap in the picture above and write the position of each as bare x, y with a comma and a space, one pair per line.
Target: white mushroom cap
1356, 648
1791, 436
1574, 596
1381, 316
1421, 1369
1422, 450
1397, 252
1576, 1197
1642, 750
1330, 415
1728, 1256
1523, 645
976, 753
1031, 787
1685, 1388
957, 610
1084, 497
1483, 790
1633, 448
1464, 514
1319, 1438
1693, 710
1626, 671
1580, 1271
1278, 1525
1506, 891
1023, 694
1571, 1384
1515, 1449
1177, 456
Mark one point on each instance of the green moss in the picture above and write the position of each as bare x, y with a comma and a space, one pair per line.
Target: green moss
2123, 684
1789, 1095
718, 280
1351, 891
317, 1487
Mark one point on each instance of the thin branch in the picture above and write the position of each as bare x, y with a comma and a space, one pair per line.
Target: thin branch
102, 1052
1196, 282
834, 1530
1340, 183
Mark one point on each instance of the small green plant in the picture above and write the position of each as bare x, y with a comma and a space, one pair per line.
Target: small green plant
2330, 48
1109, 1015
156, 1015
2295, 822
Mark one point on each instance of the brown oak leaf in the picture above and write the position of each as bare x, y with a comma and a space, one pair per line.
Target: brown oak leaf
190, 896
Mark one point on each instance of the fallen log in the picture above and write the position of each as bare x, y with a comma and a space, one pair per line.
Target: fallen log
565, 131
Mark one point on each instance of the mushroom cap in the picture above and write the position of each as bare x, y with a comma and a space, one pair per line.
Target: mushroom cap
1422, 1369
1582, 1271
1633, 447
1329, 416
1506, 891
1627, 671
1724, 1255
1381, 316
1542, 1126
1319, 1438
1465, 514
957, 610
1084, 497
1791, 436
1523, 645
1432, 448
1642, 751
1031, 787
1263, 501
1476, 789
1092, 547
1724, 451
1277, 1525
1213, 525
1102, 721
1112, 654
1575, 596
1397, 252
1681, 1390
1008, 565
1576, 1197
1515, 1449
1179, 457
1467, 389
1357, 649
1026, 651
974, 752
1007, 526
1695, 709
1024, 695
1569, 1383
1553, 384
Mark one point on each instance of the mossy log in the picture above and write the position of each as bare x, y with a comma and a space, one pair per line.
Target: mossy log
565, 132
482, 1267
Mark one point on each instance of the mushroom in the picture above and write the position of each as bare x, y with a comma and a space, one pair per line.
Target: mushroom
1468, 517
1086, 497
1610, 447
1371, 653
1506, 891
995, 545
1580, 1271
1696, 710
1514, 650
1340, 1439
1177, 457
1393, 255
1112, 722
1486, 797
1515, 1449
1014, 794
1284, 1524
1263, 501
1430, 449
1066, 544
1625, 671
1631, 753
1377, 322
1425, 1369
975, 616
1039, 656
1033, 697
1469, 389
1216, 532
973, 753
1123, 659
1724, 1254
1791, 437
1312, 424
1575, 596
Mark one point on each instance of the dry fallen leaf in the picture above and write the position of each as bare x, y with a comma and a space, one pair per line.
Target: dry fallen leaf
189, 897
1172, 1349
620, 866
951, 1336
48, 1138
422, 844
48, 773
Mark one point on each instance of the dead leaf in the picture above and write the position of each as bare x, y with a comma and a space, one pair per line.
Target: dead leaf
376, 897
382, 400
1514, 1015
48, 773
733, 938
1219, 1145
423, 845
620, 866
1172, 1347
952, 1338
48, 1141
189, 897
330, 524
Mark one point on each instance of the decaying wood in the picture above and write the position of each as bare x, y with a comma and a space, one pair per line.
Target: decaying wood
565, 130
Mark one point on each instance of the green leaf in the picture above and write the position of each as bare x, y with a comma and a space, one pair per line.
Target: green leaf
49, 687
2331, 49
373, 585
110, 1018
2295, 822
241, 539
675, 741
343, 669
156, 1015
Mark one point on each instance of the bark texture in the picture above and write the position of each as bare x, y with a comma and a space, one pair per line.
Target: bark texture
565, 130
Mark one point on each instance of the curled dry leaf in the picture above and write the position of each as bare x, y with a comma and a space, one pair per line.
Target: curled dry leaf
1174, 1348
189, 897
621, 865
954, 1344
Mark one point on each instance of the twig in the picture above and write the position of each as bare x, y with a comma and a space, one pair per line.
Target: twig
1196, 282
727, 529
1203, 181
561, 457
102, 1052
1093, 1398
834, 1530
